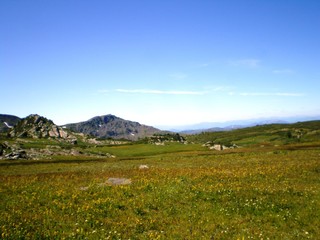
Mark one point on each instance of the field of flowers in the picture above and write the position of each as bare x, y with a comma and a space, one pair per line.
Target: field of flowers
238, 194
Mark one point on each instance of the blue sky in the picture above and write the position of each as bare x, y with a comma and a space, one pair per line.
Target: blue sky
160, 62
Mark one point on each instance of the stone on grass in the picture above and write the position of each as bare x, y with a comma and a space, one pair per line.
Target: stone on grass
143, 167
118, 181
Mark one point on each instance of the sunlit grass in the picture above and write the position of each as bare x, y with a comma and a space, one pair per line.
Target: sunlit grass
140, 150
185, 194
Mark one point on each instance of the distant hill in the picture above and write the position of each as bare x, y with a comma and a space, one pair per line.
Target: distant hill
267, 134
110, 126
230, 125
7, 122
216, 129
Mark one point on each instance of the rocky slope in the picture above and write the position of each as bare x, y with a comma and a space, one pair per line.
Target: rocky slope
110, 126
35, 126
7, 122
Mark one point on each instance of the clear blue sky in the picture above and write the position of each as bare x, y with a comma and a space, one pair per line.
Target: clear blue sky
160, 62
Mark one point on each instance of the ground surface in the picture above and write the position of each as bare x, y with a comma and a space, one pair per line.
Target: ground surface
188, 192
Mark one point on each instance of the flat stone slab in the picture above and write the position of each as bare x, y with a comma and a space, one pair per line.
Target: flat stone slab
118, 181
111, 182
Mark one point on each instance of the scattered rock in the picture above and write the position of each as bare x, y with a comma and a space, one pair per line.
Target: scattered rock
93, 141
118, 181
75, 152
109, 155
12, 152
17, 154
142, 167
207, 144
218, 147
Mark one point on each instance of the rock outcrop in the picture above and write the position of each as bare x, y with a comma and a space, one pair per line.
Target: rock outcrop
35, 126
12, 152
17, 154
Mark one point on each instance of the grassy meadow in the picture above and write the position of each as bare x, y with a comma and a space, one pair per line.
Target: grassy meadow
188, 192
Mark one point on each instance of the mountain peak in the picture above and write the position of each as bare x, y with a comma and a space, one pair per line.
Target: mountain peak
105, 118
111, 126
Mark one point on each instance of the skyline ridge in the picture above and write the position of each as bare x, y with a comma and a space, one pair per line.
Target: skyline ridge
204, 125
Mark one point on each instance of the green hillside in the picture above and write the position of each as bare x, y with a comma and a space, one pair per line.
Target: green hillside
271, 134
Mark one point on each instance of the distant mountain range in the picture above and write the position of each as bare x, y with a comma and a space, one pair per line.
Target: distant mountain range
237, 124
110, 126
228, 126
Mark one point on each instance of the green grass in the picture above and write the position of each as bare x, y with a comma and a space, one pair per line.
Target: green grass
275, 134
143, 150
188, 192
